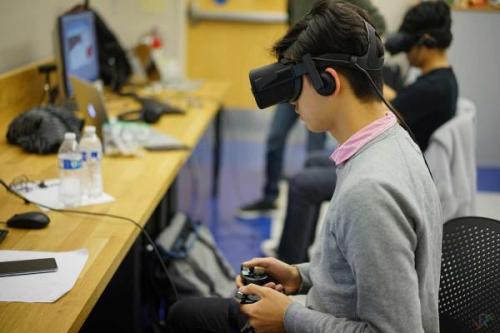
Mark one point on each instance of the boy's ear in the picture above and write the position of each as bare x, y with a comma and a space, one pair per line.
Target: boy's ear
335, 76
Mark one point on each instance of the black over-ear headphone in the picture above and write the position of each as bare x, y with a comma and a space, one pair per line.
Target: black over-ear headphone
329, 84
324, 82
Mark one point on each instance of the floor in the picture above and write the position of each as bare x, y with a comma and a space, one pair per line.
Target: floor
242, 178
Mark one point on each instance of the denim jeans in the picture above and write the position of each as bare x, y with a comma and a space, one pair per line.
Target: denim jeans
284, 119
306, 192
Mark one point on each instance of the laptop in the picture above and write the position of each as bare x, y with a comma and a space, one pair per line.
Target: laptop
91, 103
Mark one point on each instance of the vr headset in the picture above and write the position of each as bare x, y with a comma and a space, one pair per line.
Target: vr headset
403, 42
400, 42
282, 81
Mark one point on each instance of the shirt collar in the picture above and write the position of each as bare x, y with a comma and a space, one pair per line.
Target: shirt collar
359, 139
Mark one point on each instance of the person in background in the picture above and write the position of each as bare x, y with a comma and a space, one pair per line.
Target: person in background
425, 105
284, 118
429, 102
377, 266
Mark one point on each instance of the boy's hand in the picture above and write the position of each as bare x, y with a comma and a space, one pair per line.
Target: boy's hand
268, 314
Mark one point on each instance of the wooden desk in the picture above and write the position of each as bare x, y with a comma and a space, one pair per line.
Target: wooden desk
137, 184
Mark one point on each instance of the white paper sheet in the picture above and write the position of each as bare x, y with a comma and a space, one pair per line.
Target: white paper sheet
42, 287
49, 195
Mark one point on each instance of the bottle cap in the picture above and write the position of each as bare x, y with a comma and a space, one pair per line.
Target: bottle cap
69, 136
89, 129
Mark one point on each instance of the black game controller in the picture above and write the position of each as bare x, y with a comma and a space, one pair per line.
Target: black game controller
255, 275
245, 299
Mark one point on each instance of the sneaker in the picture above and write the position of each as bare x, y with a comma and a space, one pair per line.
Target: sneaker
257, 209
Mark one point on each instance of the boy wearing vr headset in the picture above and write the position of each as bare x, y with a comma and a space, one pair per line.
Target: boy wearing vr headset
424, 36
377, 266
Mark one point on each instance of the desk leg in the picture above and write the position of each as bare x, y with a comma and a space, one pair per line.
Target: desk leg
171, 203
217, 151
164, 212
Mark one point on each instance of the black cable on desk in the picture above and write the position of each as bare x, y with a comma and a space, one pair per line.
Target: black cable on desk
118, 217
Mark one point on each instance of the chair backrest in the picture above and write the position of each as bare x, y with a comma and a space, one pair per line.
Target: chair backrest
451, 157
469, 293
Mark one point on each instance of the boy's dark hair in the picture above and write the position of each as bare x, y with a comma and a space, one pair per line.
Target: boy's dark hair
429, 17
333, 26
298, 8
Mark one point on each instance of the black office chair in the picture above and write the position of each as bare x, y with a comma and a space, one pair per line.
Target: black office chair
469, 293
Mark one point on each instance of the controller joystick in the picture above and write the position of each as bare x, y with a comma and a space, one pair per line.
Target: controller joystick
255, 275
245, 299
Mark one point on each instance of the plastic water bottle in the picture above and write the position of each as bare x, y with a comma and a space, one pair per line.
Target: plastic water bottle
70, 166
91, 149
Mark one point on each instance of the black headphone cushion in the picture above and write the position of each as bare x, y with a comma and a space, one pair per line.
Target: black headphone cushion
329, 85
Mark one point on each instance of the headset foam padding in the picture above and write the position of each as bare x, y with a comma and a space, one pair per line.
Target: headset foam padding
329, 85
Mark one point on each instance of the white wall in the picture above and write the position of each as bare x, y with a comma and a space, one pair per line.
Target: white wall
474, 55
393, 11
26, 26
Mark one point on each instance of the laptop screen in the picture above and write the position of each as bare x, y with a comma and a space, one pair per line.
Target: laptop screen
78, 46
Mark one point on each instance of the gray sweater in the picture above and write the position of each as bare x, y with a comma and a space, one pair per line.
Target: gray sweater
377, 265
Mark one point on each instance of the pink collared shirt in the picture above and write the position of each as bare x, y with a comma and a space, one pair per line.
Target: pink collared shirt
362, 137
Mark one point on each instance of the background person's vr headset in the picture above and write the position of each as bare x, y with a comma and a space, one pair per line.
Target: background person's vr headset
403, 42
282, 81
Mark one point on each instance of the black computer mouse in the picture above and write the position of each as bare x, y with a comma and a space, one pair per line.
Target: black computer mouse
29, 220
